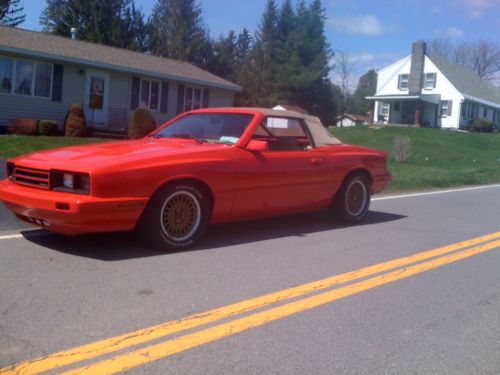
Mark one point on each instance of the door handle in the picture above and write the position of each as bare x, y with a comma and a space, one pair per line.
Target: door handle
316, 161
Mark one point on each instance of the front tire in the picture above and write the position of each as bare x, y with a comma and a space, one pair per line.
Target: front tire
176, 217
352, 201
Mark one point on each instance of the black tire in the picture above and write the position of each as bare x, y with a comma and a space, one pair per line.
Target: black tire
176, 217
352, 201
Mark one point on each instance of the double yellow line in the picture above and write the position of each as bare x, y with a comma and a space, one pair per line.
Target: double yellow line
396, 269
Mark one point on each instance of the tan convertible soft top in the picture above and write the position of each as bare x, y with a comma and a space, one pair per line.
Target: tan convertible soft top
321, 136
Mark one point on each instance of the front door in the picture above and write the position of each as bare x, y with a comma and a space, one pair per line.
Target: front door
96, 98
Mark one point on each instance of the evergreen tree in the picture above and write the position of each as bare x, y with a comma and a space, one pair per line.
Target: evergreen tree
224, 59
112, 22
367, 85
11, 14
258, 75
176, 30
243, 48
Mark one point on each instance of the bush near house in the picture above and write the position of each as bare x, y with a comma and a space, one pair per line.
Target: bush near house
47, 127
75, 124
23, 126
480, 126
141, 124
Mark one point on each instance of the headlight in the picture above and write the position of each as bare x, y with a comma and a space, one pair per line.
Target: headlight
70, 182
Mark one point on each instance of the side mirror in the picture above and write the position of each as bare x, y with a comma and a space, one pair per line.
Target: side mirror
257, 146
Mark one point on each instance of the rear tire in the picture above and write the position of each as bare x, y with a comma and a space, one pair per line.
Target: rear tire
352, 201
176, 217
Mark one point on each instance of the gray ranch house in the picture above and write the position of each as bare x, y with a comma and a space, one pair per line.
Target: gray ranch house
42, 75
426, 89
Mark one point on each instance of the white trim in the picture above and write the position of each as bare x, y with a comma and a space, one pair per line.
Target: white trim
149, 94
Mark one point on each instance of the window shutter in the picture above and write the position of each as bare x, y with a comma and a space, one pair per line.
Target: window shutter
134, 98
164, 97
206, 98
450, 102
57, 82
435, 79
180, 98
399, 82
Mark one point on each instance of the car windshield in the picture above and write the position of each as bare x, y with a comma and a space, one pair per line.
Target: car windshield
211, 127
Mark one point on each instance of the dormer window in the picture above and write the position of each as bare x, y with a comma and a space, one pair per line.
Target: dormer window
403, 81
430, 81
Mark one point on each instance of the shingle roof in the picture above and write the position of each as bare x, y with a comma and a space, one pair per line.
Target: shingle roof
465, 80
32, 43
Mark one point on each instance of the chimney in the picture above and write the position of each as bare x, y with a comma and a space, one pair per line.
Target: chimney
73, 33
417, 68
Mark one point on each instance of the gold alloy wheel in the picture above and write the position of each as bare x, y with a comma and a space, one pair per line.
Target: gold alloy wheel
356, 197
180, 215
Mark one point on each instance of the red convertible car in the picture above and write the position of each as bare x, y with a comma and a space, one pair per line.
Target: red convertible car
204, 167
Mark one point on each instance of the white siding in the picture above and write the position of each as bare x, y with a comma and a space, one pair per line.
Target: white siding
221, 98
387, 78
345, 122
447, 91
19, 106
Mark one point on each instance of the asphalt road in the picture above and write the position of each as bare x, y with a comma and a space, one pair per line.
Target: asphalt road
58, 293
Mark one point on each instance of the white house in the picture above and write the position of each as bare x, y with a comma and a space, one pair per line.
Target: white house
426, 89
348, 120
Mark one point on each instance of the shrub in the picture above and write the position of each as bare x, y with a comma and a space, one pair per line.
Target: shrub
75, 124
47, 127
141, 124
480, 126
23, 126
401, 148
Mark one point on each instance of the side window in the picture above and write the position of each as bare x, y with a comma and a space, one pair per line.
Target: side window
284, 134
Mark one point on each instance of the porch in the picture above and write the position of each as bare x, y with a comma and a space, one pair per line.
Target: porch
420, 110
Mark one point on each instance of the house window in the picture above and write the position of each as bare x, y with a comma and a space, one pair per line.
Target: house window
25, 77
193, 98
150, 94
446, 106
403, 81
6, 75
430, 81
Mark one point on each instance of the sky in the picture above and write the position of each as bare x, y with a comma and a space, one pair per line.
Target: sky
375, 33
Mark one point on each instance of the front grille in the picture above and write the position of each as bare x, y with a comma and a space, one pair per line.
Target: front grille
32, 177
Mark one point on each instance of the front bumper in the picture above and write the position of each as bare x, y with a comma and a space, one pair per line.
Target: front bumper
68, 213
381, 182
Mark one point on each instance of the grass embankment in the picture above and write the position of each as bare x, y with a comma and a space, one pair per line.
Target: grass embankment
439, 158
13, 145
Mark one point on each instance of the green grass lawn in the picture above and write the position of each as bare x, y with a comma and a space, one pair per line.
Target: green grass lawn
14, 145
439, 158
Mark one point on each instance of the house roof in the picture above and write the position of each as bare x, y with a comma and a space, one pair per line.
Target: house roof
353, 117
45, 45
465, 80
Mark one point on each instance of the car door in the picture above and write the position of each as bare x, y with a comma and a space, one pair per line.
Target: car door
288, 177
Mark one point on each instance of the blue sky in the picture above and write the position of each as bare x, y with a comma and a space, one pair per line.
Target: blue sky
376, 33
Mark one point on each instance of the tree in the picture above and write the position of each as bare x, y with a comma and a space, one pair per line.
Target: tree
11, 14
367, 86
482, 56
112, 22
177, 31
344, 69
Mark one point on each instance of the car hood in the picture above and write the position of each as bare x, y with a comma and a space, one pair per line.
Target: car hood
101, 155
